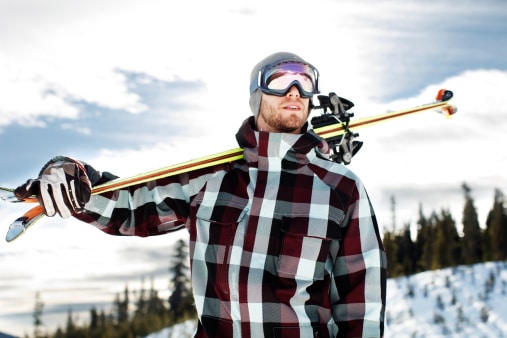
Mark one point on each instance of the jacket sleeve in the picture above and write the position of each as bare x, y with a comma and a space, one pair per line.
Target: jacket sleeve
147, 209
360, 272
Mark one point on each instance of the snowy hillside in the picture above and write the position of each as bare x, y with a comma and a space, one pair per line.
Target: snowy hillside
465, 301
183, 330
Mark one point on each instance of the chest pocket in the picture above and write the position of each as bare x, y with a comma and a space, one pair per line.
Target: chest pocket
214, 237
216, 224
305, 248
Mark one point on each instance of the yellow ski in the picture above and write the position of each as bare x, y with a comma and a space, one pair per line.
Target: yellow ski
336, 127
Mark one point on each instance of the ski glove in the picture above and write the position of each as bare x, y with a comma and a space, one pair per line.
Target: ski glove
63, 186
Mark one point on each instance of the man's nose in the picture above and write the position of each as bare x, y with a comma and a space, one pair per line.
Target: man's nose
293, 91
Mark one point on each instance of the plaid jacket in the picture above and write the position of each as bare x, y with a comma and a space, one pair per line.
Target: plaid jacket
282, 244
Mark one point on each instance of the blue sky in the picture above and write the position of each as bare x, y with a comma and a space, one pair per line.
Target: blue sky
130, 86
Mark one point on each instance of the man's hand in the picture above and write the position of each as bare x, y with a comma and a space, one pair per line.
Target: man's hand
63, 186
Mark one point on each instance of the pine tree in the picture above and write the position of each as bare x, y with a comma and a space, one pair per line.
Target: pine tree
94, 318
121, 306
425, 241
37, 316
141, 304
406, 254
394, 268
180, 300
390, 242
496, 229
125, 304
95, 328
71, 328
454, 239
440, 242
155, 304
393, 214
472, 234
447, 243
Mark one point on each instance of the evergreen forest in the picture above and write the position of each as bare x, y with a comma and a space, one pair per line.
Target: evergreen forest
131, 316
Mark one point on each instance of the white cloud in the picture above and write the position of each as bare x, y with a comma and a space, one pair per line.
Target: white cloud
57, 52
26, 97
425, 158
69, 51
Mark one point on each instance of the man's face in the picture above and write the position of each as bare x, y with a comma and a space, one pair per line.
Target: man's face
283, 114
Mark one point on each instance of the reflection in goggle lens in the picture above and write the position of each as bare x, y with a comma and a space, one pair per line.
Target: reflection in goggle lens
279, 78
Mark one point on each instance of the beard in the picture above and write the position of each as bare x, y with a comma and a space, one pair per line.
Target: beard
283, 122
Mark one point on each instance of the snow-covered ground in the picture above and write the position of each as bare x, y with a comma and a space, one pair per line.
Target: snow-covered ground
183, 330
465, 301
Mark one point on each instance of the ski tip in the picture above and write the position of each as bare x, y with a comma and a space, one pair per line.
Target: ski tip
19, 226
449, 111
15, 230
444, 95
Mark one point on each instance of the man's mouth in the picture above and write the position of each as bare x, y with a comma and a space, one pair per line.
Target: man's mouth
292, 107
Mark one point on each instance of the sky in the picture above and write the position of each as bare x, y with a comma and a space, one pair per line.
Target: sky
129, 87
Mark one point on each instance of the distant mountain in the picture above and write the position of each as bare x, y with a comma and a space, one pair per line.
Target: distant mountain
464, 301
5, 335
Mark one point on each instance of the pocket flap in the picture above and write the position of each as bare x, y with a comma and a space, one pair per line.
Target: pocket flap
308, 227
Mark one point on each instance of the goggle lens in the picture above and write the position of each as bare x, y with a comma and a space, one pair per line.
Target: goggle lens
278, 79
284, 81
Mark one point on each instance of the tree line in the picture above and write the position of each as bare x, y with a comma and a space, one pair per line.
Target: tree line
439, 244
133, 314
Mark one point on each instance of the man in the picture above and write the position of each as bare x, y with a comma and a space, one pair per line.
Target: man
282, 244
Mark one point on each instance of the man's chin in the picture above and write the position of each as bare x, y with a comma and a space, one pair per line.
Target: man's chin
292, 125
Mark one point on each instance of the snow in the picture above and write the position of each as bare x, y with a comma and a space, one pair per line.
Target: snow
464, 301
183, 330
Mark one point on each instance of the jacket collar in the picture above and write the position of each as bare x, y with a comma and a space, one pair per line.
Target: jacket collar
295, 147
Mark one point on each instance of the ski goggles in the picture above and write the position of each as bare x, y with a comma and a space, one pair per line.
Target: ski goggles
279, 78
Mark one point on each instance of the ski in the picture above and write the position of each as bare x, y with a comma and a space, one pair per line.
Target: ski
335, 127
